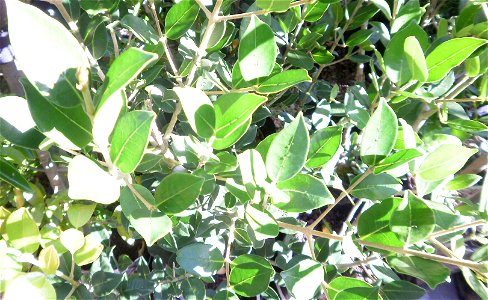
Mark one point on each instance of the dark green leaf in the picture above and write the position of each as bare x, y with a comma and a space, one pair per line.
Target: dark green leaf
11, 174
432, 272
180, 18
261, 221
177, 192
303, 279
200, 259
250, 275
377, 187
401, 289
105, 283
140, 28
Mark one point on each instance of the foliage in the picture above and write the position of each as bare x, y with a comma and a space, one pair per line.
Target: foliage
157, 114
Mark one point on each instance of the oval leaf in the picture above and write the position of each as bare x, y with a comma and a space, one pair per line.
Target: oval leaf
250, 275
324, 144
198, 110
22, 231
180, 18
261, 221
177, 192
200, 259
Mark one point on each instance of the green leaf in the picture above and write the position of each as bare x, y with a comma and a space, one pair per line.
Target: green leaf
432, 272
374, 223
198, 110
87, 181
322, 56
401, 289
303, 279
57, 57
315, 10
180, 18
415, 59
358, 38
200, 259
250, 275
376, 187
151, 225
324, 144
261, 221
409, 12
233, 112
396, 159
80, 214
467, 125
274, 5
463, 181
97, 7
16, 123
379, 135
289, 20
91, 250
28, 284
69, 127
251, 165
412, 220
257, 50
22, 231
304, 192
49, 260
475, 283
283, 80
288, 151
72, 239
227, 163
444, 161
344, 288
450, 54
193, 289
95, 34
130, 138
104, 283
10, 174
140, 28
177, 192
123, 70
301, 59
384, 7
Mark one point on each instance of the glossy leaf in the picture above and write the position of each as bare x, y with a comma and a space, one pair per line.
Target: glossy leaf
304, 192
350, 288
449, 55
429, 271
11, 174
288, 151
123, 70
397, 159
250, 275
377, 187
441, 162
233, 113
69, 127
198, 110
177, 192
200, 259
315, 11
324, 144
257, 50
87, 181
22, 231
180, 18
415, 59
282, 81
16, 123
412, 220
140, 28
303, 279
130, 138
379, 135
261, 221
52, 67
152, 225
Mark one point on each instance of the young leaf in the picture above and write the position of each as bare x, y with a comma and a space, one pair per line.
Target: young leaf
324, 143
177, 192
11, 175
22, 231
200, 259
303, 279
49, 260
429, 271
446, 160
87, 181
16, 123
304, 192
250, 275
91, 250
412, 220
180, 18
374, 223
379, 135
130, 138
123, 70
72, 239
257, 50
288, 151
52, 67
27, 284
396, 159
463, 181
450, 54
261, 221
233, 113
198, 110
80, 214
282, 81
415, 59
70, 127
274, 5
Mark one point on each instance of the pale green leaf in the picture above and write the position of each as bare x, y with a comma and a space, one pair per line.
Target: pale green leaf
198, 110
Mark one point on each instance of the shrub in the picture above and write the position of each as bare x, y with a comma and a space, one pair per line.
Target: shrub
229, 149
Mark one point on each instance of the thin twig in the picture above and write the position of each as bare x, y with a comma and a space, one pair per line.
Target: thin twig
139, 196
457, 228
